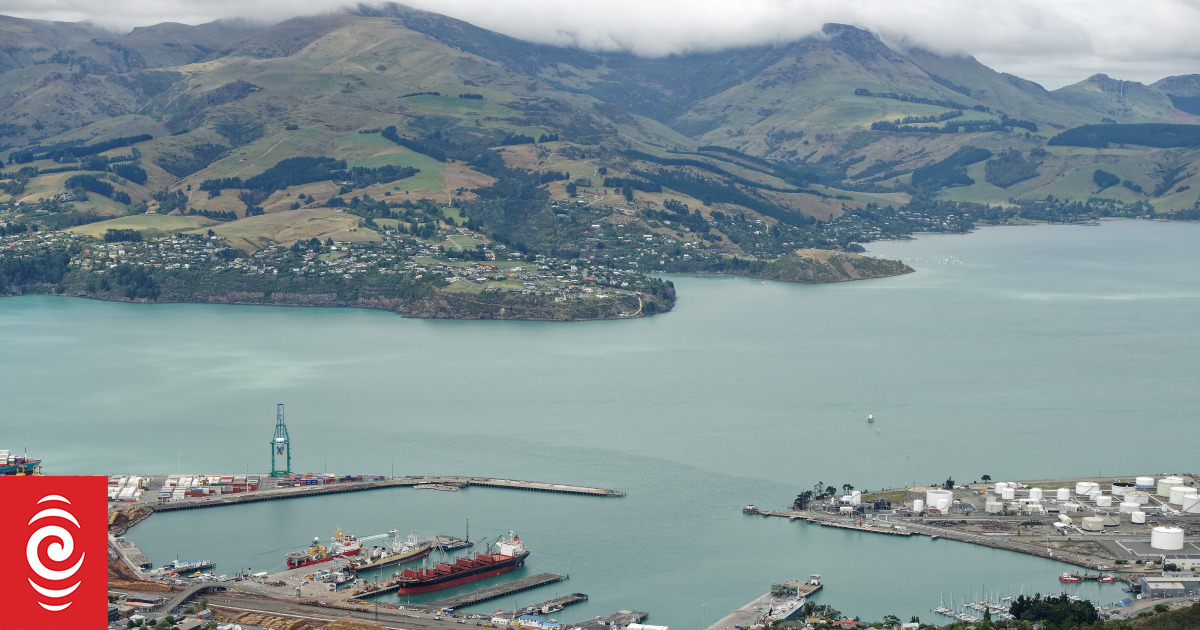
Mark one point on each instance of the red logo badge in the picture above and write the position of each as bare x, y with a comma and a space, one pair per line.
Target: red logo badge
53, 553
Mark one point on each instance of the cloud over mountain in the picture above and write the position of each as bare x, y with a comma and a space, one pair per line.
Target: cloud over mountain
1053, 43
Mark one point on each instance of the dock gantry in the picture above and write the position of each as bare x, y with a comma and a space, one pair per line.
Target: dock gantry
281, 446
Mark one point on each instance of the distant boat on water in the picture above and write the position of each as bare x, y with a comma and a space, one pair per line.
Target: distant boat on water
870, 417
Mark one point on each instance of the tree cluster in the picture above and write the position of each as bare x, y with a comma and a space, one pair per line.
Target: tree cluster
1159, 135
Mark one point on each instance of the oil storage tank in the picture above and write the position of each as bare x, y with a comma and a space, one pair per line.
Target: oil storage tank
1166, 538
939, 499
1119, 488
1063, 494
918, 505
1178, 492
1138, 517
1129, 507
1093, 523
1166, 483
1144, 482
1035, 494
1104, 501
1085, 487
1008, 493
993, 507
1139, 497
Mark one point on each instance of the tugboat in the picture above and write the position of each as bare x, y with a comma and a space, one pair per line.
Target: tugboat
501, 557
1070, 577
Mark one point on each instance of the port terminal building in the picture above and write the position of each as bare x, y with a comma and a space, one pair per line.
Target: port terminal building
1169, 585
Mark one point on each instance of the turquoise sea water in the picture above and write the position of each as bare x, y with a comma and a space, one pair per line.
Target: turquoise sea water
1015, 352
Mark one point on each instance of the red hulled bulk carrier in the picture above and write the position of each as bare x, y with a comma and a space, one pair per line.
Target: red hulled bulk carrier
502, 557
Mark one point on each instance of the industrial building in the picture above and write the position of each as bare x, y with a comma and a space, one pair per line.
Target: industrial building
1185, 561
1169, 586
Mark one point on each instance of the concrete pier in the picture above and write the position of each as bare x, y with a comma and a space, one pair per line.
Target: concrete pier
783, 602
556, 603
621, 618
273, 494
496, 591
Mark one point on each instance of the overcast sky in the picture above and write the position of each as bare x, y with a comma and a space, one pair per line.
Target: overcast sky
1053, 42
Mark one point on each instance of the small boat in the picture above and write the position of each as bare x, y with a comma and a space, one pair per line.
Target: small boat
870, 417
750, 509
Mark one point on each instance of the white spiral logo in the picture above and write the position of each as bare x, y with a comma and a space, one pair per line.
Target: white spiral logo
59, 552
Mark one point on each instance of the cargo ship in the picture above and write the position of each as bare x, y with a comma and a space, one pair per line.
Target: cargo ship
502, 557
342, 545
14, 466
397, 552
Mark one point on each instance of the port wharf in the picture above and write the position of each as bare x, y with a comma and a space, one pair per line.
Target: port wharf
441, 483
1047, 519
497, 591
620, 619
555, 604
482, 595
757, 611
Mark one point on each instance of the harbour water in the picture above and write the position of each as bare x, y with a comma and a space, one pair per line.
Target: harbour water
1016, 352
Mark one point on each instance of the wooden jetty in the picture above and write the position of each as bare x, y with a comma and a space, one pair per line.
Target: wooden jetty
474, 597
275, 494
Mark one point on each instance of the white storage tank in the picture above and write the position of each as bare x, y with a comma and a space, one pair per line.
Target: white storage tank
1119, 488
1093, 523
1035, 494
1085, 487
994, 507
1166, 538
1104, 501
918, 505
1064, 494
1177, 493
1094, 493
1008, 493
939, 499
855, 497
1144, 482
1129, 507
1166, 483
1138, 517
1141, 498
1000, 485
1191, 504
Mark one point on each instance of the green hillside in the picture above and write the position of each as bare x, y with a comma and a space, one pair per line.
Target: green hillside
481, 146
